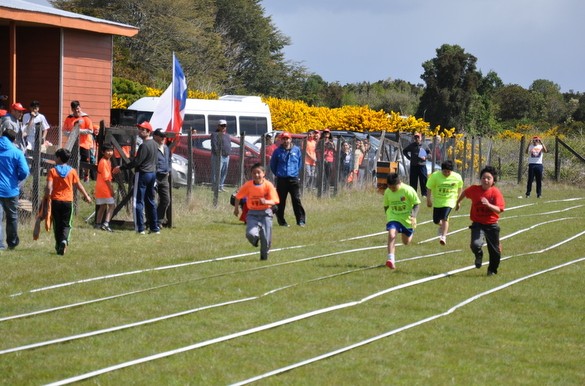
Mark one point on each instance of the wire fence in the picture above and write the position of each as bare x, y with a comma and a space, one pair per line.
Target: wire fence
336, 168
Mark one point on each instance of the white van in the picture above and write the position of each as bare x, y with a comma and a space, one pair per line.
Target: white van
244, 114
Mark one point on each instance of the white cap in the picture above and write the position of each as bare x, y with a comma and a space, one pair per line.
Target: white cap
222, 122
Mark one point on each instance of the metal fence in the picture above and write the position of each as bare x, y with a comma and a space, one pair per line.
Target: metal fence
563, 163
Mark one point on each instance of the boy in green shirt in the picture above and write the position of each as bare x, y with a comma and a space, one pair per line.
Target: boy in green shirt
443, 188
401, 204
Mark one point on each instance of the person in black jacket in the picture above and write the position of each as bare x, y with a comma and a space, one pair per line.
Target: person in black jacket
417, 153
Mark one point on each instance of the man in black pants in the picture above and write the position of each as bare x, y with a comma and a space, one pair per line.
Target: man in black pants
285, 164
417, 153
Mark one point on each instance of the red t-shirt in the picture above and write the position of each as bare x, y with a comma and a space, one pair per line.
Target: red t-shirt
479, 212
254, 193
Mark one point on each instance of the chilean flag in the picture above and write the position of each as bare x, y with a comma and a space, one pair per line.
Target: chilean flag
170, 110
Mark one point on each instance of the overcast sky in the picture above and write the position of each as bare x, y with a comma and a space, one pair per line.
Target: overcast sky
370, 40
350, 41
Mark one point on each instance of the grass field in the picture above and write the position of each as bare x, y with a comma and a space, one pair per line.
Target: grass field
195, 305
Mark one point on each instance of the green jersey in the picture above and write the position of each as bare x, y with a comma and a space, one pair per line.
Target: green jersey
400, 203
445, 190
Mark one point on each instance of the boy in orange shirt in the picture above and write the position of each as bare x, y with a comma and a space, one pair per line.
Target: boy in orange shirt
260, 196
104, 190
60, 182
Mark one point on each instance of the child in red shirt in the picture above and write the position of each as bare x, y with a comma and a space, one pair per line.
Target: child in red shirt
487, 203
260, 196
104, 190
60, 182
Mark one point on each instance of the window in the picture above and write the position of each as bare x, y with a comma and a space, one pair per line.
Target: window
193, 121
253, 125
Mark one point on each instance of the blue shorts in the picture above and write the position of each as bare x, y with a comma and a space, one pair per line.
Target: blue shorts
399, 228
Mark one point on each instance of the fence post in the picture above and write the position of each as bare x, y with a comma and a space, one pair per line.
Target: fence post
557, 160
520, 159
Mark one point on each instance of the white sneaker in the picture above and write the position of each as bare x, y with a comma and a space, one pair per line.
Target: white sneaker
391, 263
442, 240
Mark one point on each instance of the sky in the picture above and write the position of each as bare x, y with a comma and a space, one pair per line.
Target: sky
349, 41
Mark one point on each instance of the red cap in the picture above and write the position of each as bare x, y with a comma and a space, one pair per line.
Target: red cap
536, 137
3, 113
17, 106
285, 135
145, 125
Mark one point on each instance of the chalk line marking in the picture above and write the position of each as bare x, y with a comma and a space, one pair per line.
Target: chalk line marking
284, 322
403, 328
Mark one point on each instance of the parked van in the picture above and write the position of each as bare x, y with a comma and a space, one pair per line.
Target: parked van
244, 114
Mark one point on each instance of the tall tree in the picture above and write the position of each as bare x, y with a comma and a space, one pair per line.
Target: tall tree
551, 106
451, 84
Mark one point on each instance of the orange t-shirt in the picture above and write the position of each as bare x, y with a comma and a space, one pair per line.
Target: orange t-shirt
63, 186
104, 174
85, 140
311, 152
254, 193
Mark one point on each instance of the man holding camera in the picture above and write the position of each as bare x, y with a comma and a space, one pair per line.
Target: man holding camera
535, 151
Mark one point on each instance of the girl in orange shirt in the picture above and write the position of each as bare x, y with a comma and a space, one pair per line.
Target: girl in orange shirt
104, 190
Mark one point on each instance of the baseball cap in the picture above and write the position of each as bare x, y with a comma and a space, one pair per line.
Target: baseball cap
145, 125
160, 133
222, 122
17, 106
536, 137
285, 135
3, 113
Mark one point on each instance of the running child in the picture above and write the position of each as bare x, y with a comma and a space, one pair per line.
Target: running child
487, 203
443, 189
60, 183
401, 205
260, 196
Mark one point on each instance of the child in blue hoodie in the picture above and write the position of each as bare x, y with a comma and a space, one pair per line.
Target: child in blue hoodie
60, 182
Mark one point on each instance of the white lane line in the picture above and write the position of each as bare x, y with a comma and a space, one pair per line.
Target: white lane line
400, 329
269, 325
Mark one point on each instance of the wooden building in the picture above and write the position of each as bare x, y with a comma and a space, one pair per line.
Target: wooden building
55, 56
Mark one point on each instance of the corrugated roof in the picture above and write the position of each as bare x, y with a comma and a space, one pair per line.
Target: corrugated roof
27, 13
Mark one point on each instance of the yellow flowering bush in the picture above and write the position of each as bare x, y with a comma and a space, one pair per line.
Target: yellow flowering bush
119, 103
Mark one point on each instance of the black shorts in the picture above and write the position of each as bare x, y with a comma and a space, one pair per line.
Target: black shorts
441, 214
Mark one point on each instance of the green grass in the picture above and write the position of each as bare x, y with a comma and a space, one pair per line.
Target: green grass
530, 333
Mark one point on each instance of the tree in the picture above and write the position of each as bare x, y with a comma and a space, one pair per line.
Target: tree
451, 83
514, 103
550, 104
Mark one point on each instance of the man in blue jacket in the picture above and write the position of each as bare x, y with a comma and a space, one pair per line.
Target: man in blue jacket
285, 164
13, 170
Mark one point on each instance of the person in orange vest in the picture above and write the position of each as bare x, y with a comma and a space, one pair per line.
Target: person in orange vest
86, 133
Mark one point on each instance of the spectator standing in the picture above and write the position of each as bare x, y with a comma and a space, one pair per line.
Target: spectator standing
30, 121
443, 189
78, 118
12, 121
417, 154
13, 170
535, 151
285, 164
487, 203
61, 181
144, 164
358, 159
221, 146
345, 162
260, 197
163, 169
270, 145
310, 160
401, 205
327, 146
104, 189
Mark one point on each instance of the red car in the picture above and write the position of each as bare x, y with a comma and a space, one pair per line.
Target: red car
202, 158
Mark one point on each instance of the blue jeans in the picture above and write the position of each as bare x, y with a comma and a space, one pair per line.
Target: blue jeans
144, 198
9, 209
223, 169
